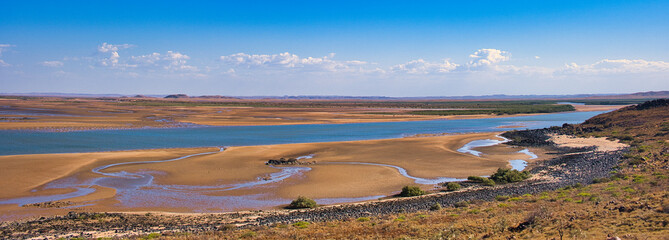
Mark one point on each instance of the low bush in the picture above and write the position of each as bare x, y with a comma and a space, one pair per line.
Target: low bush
411, 191
301, 224
482, 180
248, 234
302, 202
452, 186
435, 207
505, 175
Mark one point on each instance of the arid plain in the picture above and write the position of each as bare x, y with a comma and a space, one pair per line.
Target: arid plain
335, 173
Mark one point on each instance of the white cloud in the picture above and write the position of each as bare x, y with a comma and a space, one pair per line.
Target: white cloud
421, 66
172, 61
3, 48
287, 60
488, 56
52, 63
618, 66
105, 47
113, 57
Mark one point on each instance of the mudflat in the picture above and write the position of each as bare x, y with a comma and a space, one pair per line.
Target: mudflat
329, 177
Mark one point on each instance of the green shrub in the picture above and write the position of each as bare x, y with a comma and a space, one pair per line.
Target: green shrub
302, 202
411, 191
452, 186
482, 180
639, 179
248, 234
435, 207
151, 236
476, 179
584, 194
505, 175
301, 224
363, 219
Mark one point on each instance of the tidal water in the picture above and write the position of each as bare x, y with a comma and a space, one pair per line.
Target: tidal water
137, 189
32, 142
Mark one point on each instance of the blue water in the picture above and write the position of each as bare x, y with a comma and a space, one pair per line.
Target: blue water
32, 142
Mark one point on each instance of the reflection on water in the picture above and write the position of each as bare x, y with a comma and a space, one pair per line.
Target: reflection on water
139, 190
469, 147
528, 153
404, 173
518, 164
33, 142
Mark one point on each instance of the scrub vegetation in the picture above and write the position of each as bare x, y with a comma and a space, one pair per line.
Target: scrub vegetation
302, 202
630, 204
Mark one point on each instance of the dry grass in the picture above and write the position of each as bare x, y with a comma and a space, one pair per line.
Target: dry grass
632, 204
623, 207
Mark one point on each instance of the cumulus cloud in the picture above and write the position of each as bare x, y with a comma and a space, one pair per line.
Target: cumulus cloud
106, 47
111, 50
287, 60
52, 63
421, 66
488, 56
171, 61
618, 66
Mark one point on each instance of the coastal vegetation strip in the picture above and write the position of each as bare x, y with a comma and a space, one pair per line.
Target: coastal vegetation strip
501, 110
433, 104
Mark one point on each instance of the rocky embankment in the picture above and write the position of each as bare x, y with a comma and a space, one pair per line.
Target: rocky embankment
581, 165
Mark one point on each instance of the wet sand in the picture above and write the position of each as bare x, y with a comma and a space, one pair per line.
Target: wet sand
424, 157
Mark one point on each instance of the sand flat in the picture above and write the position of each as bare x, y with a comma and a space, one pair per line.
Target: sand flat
58, 114
22, 173
424, 157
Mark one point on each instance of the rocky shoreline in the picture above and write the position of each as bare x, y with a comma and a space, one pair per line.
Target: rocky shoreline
579, 166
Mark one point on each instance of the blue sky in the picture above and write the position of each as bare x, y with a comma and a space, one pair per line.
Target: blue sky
390, 48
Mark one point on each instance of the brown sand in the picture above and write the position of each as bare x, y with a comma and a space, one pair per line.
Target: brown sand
601, 143
22, 173
427, 157
81, 114
591, 108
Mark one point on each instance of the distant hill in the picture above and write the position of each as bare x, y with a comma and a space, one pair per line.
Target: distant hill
638, 95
